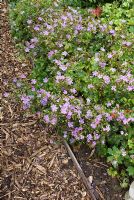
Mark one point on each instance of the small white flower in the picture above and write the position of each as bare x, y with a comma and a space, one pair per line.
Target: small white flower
122, 132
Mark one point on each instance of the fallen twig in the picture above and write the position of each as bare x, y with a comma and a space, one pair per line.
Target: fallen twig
81, 173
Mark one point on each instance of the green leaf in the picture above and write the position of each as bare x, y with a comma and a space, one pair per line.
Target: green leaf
130, 170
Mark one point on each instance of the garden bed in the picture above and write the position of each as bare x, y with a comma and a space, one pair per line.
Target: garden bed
81, 83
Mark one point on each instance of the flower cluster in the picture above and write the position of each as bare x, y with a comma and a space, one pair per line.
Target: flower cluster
83, 81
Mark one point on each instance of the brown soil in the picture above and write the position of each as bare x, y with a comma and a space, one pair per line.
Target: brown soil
106, 187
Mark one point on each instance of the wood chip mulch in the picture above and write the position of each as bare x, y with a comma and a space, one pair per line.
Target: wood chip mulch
34, 164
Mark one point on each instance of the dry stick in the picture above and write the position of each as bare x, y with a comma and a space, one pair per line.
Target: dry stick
82, 175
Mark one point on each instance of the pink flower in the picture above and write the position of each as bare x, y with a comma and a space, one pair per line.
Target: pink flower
6, 94
89, 137
64, 53
106, 79
45, 80
95, 73
70, 124
54, 121
93, 125
63, 67
23, 76
102, 64
40, 19
89, 114
46, 118
27, 49
107, 129
81, 121
108, 104
33, 89
90, 86
68, 36
73, 90
113, 88
109, 55
112, 32
54, 108
34, 40
33, 81
45, 32
64, 92
36, 28
32, 46
130, 88
69, 81
51, 53
64, 108
29, 21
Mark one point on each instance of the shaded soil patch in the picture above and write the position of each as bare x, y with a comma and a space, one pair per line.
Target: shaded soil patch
96, 169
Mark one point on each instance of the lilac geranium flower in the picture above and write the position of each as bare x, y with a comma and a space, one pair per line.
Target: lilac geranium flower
107, 128
26, 101
37, 28
73, 90
64, 108
34, 40
44, 101
81, 121
63, 67
112, 32
90, 86
64, 53
46, 118
93, 125
29, 21
113, 88
65, 134
89, 114
51, 53
109, 55
79, 27
33, 89
102, 64
70, 124
45, 80
33, 81
32, 46
69, 81
27, 49
96, 136
54, 108
95, 73
89, 137
64, 92
40, 19
23, 76
130, 88
106, 79
53, 121
68, 36
45, 32
6, 94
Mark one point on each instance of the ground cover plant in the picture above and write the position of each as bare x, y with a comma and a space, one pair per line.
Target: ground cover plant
82, 81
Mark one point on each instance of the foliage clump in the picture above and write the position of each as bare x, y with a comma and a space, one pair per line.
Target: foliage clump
82, 82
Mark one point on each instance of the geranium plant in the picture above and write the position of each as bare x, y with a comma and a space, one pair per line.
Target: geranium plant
82, 82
